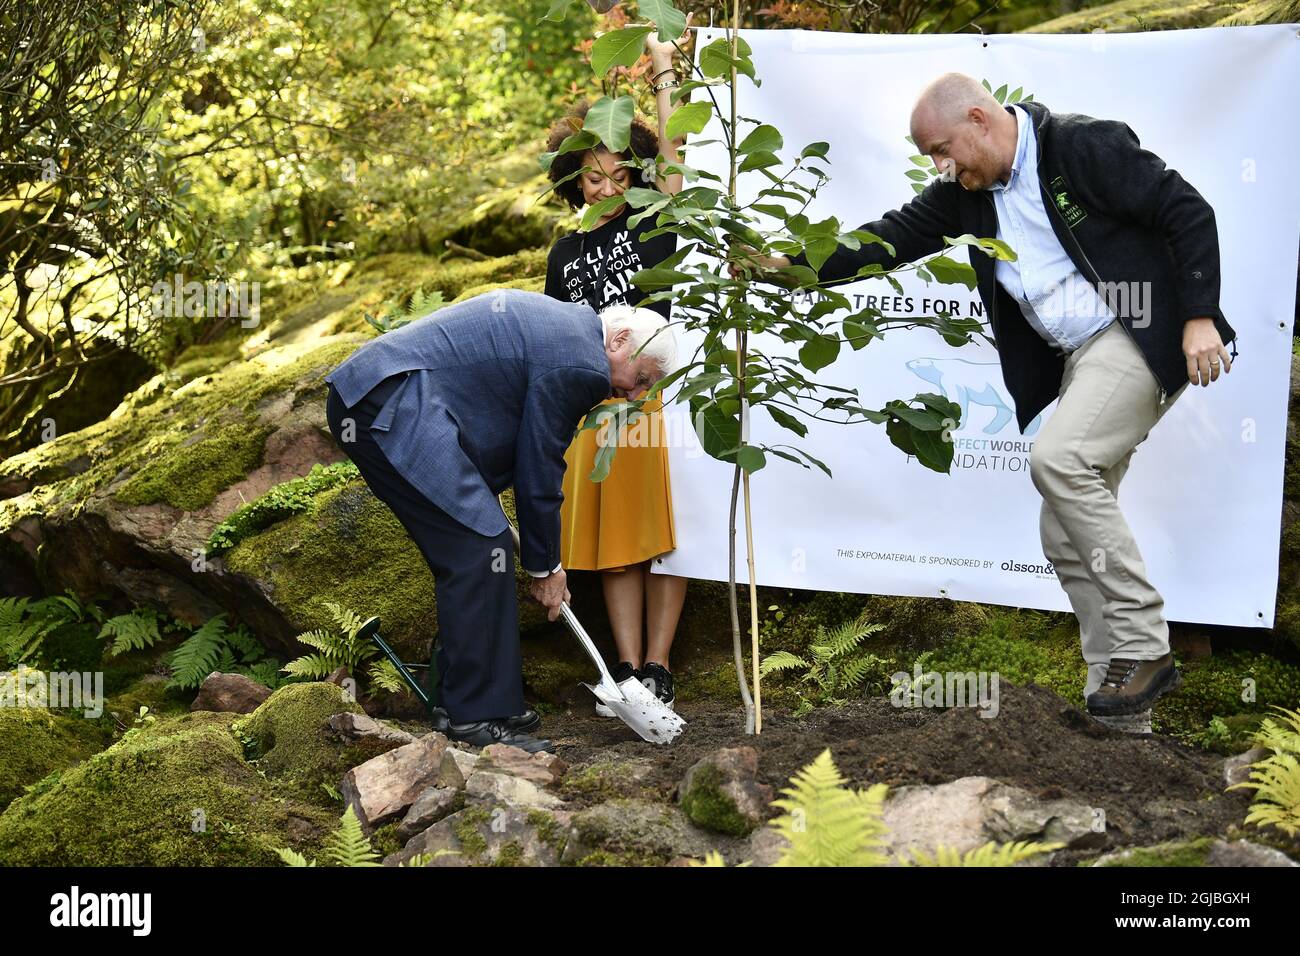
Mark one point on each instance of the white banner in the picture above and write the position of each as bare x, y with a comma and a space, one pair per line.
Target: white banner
1203, 493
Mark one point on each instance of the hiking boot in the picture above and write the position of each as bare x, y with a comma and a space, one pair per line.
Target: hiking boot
659, 682
622, 672
1138, 724
1132, 686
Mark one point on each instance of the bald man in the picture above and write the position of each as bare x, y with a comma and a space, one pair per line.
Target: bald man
1112, 306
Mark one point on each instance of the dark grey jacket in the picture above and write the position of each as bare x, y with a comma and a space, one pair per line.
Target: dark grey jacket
498, 385
1120, 214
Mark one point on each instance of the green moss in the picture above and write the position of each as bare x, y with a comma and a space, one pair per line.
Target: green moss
190, 476
1190, 853
288, 739
1131, 16
466, 828
707, 806
35, 742
1011, 649
348, 548
548, 829
510, 854
1214, 687
174, 793
551, 675
385, 839
537, 284
594, 783
282, 501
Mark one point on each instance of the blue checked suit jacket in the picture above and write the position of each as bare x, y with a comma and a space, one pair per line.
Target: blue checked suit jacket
498, 385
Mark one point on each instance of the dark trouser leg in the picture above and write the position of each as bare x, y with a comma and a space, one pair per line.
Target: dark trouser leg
478, 619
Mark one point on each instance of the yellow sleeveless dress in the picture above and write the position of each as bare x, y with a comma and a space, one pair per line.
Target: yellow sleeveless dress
628, 517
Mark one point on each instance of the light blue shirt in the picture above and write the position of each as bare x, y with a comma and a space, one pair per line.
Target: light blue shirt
1057, 301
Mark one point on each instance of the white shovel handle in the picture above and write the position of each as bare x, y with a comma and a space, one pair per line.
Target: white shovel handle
578, 630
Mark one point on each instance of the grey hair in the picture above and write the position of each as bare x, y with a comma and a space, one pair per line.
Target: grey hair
648, 328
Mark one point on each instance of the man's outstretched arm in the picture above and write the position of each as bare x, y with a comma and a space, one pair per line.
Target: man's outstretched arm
915, 231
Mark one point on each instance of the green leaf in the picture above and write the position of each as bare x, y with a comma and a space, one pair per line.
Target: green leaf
691, 118
751, 459
820, 352
659, 278
670, 21
815, 149
559, 9
603, 461
639, 196
581, 140
611, 120
786, 420
618, 48
763, 138
994, 248
758, 160
715, 59
717, 430
1001, 94
593, 212
952, 273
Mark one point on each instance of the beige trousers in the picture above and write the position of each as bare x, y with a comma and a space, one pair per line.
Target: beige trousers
1109, 401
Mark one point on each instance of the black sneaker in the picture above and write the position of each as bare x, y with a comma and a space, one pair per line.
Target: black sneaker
622, 672
659, 682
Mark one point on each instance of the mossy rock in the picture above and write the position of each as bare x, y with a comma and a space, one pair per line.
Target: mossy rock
177, 792
706, 804
1131, 16
347, 547
1178, 853
193, 474
287, 738
35, 742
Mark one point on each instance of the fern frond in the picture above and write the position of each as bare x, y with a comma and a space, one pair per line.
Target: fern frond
712, 858
348, 845
265, 672
241, 639
1283, 737
855, 670
839, 641
384, 675
199, 655
990, 854
311, 666
321, 640
826, 823
291, 858
132, 632
780, 661
1276, 782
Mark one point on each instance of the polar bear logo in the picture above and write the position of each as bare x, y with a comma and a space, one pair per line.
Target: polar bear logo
970, 383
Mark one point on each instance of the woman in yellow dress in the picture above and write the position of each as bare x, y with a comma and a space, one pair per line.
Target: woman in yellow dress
620, 525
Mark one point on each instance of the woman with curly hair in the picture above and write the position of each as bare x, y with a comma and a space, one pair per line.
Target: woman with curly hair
618, 526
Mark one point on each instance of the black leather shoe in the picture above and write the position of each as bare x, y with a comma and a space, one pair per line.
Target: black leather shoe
524, 723
480, 733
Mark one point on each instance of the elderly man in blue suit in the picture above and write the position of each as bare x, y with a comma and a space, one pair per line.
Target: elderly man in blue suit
441, 416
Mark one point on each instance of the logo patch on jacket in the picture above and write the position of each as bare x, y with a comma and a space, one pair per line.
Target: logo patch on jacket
1072, 211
